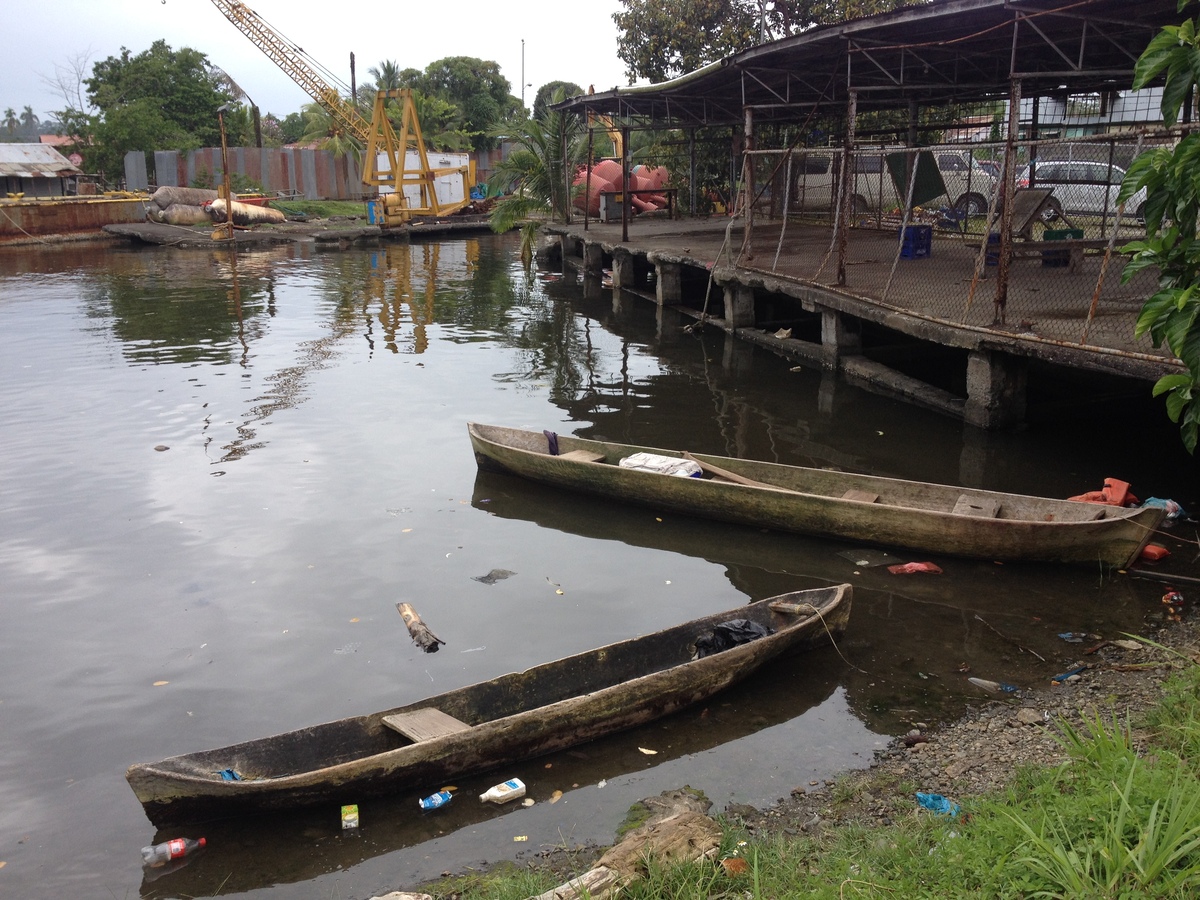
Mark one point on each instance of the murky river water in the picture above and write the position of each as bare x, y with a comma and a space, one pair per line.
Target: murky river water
243, 581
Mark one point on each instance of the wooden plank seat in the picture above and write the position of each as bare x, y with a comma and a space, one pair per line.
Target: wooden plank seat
984, 507
860, 496
582, 456
424, 724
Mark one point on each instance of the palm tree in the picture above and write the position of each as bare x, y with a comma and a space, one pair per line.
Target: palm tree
387, 75
11, 121
322, 129
534, 173
29, 122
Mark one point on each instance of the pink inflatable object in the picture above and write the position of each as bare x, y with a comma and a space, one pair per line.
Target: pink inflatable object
609, 169
593, 195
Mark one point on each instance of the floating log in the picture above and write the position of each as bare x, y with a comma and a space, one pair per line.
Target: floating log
421, 635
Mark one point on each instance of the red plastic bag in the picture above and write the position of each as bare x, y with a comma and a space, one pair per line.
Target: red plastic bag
913, 568
1155, 551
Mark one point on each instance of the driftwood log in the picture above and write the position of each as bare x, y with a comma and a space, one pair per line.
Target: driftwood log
677, 831
421, 635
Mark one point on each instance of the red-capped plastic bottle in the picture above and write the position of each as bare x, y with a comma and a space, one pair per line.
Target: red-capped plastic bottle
161, 854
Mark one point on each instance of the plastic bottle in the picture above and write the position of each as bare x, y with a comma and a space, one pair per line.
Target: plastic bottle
161, 854
505, 791
433, 801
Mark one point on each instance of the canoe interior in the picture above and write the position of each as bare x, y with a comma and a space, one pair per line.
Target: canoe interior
354, 739
890, 492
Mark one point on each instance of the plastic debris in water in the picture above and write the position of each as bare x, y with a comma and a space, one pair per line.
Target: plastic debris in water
493, 576
993, 687
914, 568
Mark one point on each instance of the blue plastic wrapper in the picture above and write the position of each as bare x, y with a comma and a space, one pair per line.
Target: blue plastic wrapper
433, 801
938, 804
1175, 512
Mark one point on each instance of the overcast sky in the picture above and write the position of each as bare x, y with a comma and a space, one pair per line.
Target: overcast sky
565, 40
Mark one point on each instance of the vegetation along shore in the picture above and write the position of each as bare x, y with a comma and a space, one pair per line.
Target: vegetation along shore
1080, 788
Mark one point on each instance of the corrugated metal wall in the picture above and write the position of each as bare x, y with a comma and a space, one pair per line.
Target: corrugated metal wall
314, 174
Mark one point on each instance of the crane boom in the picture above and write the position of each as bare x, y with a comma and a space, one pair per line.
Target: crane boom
385, 163
291, 60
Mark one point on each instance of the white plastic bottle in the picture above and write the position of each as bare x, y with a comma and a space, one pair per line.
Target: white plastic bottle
160, 854
502, 793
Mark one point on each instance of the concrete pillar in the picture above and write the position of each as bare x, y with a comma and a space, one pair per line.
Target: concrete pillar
622, 268
840, 336
827, 394
995, 389
593, 259
567, 247
669, 283
670, 324
592, 286
737, 356
739, 306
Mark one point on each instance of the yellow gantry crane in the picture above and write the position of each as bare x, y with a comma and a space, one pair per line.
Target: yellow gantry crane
406, 161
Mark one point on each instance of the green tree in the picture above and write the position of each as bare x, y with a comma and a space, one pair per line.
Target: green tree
661, 39
1172, 315
326, 132
478, 89
387, 75
157, 100
10, 123
291, 129
30, 123
547, 91
533, 173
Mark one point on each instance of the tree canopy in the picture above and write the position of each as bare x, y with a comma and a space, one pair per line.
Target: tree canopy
156, 100
1172, 315
663, 39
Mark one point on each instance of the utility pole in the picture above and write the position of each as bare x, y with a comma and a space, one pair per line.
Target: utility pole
522, 73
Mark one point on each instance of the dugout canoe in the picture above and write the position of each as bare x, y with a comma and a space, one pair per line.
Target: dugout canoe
922, 516
472, 729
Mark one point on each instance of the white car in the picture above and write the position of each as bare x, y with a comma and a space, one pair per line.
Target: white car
815, 175
1084, 188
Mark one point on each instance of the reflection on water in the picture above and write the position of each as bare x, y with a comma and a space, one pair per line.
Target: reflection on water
911, 641
152, 609
304, 845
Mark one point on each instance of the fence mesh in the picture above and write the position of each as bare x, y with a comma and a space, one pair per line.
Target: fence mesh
923, 232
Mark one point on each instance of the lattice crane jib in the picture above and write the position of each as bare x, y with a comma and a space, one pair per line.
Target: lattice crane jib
290, 58
378, 136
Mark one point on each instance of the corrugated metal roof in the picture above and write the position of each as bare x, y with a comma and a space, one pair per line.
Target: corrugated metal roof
943, 52
34, 161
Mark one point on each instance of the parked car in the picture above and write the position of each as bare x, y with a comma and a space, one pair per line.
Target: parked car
992, 167
968, 185
1084, 188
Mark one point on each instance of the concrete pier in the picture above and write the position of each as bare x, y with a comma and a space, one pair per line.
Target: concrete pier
891, 316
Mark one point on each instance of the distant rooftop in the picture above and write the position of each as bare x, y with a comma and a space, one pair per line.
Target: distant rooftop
34, 161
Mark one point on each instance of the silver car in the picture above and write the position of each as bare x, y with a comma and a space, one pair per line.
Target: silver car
1084, 188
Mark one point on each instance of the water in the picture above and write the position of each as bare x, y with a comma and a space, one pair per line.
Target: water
243, 581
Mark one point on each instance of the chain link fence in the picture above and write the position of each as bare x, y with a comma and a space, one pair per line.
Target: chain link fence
926, 231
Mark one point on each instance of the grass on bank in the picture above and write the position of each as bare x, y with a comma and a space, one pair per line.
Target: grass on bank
321, 209
1117, 820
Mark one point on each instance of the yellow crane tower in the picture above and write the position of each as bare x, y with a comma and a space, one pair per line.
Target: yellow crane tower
378, 135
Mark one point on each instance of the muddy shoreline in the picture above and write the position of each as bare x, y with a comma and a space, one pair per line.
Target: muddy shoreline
977, 754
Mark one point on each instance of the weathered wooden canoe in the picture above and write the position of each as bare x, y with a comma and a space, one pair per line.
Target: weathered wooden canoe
516, 716
932, 518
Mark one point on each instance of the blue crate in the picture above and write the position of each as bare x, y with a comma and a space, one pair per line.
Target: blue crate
916, 241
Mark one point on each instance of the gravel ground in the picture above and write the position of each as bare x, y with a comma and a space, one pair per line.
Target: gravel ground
980, 752
975, 755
